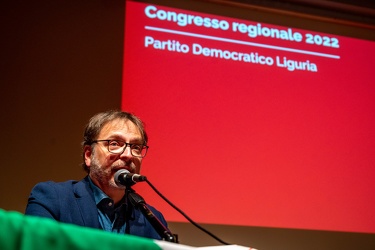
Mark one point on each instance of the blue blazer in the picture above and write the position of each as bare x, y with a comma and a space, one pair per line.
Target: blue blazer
73, 202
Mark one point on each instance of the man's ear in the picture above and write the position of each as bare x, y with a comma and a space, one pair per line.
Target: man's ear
88, 152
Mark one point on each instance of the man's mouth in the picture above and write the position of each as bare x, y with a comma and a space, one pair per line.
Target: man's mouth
119, 167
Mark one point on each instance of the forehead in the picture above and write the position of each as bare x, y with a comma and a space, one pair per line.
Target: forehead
120, 129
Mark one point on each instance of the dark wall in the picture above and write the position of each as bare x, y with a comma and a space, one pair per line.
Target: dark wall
61, 62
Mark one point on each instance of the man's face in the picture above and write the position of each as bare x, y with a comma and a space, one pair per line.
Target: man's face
103, 164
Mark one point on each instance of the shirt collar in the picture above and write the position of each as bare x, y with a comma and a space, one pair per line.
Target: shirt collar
99, 195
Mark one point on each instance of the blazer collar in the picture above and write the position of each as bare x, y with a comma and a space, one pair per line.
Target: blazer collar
86, 203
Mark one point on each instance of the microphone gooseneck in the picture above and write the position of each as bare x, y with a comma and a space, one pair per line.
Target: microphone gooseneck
124, 178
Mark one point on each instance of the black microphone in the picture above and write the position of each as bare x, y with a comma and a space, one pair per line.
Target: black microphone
124, 178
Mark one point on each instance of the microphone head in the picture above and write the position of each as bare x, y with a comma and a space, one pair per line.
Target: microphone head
118, 177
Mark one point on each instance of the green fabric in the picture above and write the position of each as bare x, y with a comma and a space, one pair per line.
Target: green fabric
20, 232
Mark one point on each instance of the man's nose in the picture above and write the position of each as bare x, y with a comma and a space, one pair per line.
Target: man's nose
127, 152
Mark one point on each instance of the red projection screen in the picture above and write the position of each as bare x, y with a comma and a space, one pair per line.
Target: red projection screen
252, 124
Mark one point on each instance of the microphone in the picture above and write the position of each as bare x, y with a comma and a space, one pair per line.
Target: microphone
124, 178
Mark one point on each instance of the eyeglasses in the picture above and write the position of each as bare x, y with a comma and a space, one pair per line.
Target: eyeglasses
118, 147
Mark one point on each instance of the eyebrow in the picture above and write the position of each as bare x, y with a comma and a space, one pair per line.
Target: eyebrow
132, 140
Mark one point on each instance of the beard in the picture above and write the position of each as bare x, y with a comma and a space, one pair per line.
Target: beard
104, 176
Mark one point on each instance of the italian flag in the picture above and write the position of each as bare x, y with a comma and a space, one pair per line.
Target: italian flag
20, 232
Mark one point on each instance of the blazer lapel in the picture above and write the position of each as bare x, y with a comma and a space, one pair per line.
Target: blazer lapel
86, 203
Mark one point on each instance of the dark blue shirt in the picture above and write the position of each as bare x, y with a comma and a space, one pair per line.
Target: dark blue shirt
111, 218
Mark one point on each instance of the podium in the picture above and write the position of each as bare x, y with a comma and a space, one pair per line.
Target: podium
21, 232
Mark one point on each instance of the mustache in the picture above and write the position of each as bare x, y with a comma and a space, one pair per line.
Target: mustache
120, 165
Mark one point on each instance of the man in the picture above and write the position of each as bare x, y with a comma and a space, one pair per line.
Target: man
113, 141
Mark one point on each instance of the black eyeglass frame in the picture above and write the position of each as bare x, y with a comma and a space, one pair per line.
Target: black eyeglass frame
144, 148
